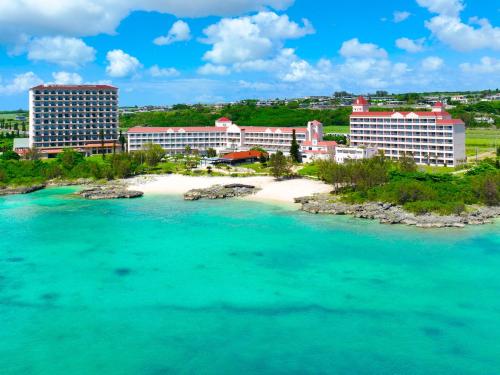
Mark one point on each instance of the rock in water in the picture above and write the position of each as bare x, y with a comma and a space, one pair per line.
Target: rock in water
220, 192
21, 189
109, 192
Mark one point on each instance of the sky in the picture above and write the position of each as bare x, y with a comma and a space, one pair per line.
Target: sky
161, 52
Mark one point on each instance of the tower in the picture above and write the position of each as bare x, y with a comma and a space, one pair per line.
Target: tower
360, 105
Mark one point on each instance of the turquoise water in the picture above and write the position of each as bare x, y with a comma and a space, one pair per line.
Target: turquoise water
162, 286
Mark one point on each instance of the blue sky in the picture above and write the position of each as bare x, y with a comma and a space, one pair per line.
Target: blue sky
174, 51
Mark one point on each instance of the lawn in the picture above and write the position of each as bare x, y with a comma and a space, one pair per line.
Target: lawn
483, 140
336, 129
12, 116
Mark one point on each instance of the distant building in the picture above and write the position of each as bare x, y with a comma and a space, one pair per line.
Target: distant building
345, 153
81, 117
432, 138
21, 145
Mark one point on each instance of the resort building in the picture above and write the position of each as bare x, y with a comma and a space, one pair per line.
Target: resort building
432, 138
345, 153
226, 136
82, 117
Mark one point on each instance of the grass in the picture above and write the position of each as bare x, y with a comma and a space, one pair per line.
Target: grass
336, 129
435, 170
484, 140
310, 169
257, 167
12, 116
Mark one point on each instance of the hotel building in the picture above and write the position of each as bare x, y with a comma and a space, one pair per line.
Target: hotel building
226, 136
432, 137
81, 117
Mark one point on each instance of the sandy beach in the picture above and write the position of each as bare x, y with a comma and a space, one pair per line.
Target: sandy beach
271, 190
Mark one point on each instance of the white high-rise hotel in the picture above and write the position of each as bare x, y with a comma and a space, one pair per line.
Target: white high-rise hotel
432, 138
81, 117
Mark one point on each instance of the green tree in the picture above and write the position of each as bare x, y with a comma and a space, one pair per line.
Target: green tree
153, 153
280, 165
10, 155
211, 153
295, 149
122, 141
69, 158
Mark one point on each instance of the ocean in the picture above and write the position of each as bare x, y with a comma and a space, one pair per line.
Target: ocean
157, 285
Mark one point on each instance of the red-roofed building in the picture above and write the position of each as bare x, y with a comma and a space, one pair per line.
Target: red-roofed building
227, 136
431, 137
243, 156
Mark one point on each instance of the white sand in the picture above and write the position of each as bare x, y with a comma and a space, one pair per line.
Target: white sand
272, 190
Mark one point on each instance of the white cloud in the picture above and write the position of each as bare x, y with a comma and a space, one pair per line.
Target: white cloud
445, 7
179, 32
78, 18
121, 64
210, 69
21, 83
432, 63
62, 51
448, 27
353, 48
400, 16
251, 37
411, 45
488, 65
67, 78
156, 71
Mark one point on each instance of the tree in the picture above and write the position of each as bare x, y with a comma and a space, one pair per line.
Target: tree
10, 155
295, 149
69, 158
211, 153
122, 141
187, 150
280, 165
407, 163
32, 154
153, 154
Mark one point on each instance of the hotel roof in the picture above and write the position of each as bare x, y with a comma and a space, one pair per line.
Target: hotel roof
390, 114
242, 155
187, 129
74, 87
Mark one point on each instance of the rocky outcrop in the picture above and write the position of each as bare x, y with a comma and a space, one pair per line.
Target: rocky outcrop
221, 192
77, 182
108, 192
387, 213
20, 189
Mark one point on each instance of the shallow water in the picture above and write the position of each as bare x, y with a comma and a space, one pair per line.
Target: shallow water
157, 285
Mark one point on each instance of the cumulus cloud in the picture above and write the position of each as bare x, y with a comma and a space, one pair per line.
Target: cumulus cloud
60, 50
67, 78
411, 45
432, 63
487, 65
251, 37
121, 64
210, 69
354, 48
448, 27
179, 32
156, 71
20, 83
400, 16
79, 18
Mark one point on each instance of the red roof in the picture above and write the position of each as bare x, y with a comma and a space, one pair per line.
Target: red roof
262, 129
146, 129
320, 143
242, 155
451, 121
389, 114
224, 119
438, 104
360, 101
74, 87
